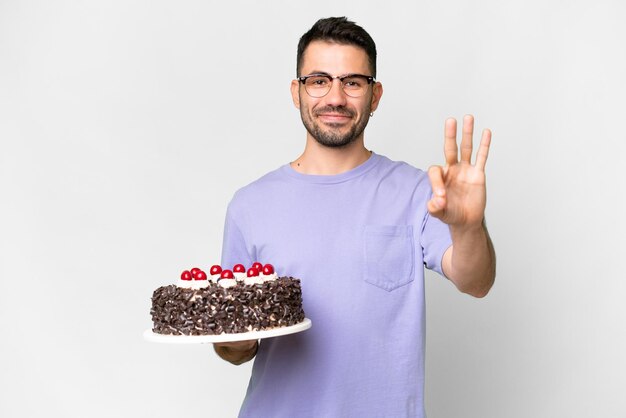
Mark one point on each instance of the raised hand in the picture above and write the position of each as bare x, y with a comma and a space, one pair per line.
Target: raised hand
459, 192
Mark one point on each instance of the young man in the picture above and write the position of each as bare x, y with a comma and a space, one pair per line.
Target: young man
356, 228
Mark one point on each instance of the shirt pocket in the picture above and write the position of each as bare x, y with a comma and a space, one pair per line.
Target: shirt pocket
389, 256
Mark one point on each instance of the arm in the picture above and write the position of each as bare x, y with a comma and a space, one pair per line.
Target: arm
470, 263
234, 250
459, 200
238, 352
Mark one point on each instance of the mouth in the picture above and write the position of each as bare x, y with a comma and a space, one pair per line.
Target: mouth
333, 116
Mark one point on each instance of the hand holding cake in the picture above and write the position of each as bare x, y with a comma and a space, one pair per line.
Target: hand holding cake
237, 352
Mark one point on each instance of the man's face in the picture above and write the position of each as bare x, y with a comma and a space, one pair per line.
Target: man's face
336, 119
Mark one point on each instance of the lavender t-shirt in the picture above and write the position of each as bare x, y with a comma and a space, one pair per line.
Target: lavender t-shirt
358, 241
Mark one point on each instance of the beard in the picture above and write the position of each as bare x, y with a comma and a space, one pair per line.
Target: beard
332, 136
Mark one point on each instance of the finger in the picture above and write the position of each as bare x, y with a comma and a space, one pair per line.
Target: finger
466, 139
483, 150
438, 202
449, 145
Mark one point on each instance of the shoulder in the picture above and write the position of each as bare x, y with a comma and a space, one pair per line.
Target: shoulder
399, 181
400, 171
259, 189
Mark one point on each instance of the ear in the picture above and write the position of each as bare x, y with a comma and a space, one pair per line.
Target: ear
377, 93
295, 93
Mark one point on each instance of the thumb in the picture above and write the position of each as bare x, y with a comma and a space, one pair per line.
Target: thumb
437, 204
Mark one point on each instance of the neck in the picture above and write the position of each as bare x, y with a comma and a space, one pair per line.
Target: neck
318, 159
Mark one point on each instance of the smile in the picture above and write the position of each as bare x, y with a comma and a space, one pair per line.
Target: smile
333, 117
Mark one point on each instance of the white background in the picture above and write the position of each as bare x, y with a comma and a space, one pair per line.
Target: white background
126, 126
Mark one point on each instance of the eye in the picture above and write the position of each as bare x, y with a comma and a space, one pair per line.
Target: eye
317, 81
353, 82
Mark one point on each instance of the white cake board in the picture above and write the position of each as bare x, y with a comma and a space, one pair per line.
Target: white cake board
222, 338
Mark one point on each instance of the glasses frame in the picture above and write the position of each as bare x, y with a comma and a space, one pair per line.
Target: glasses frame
302, 79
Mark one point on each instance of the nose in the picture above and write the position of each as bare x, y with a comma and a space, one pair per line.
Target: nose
336, 96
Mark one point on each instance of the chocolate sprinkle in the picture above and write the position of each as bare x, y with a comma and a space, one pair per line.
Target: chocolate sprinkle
216, 310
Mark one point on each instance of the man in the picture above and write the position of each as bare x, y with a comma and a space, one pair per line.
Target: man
356, 228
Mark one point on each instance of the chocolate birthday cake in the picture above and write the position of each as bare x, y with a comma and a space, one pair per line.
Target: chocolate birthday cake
227, 301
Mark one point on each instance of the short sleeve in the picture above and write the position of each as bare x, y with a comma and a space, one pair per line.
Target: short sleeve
435, 240
234, 248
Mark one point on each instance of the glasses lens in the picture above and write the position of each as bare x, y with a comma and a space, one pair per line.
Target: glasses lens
355, 86
320, 85
317, 86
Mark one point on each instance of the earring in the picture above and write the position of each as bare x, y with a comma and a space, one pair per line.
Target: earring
371, 114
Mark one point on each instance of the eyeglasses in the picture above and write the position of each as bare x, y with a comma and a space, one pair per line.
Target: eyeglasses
318, 85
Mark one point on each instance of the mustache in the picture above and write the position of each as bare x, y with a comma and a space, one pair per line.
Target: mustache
340, 110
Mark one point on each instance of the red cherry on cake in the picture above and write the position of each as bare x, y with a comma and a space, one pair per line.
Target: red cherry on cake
239, 268
200, 275
257, 266
252, 272
194, 271
268, 269
227, 274
185, 275
216, 269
